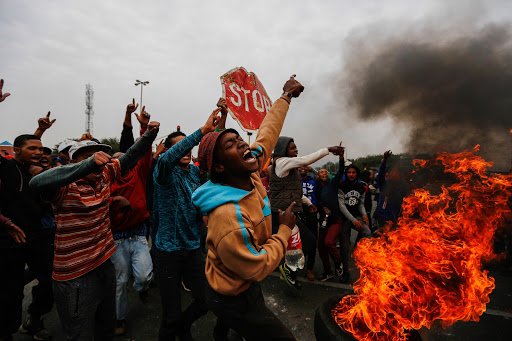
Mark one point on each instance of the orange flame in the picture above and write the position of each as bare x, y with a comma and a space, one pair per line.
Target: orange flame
430, 267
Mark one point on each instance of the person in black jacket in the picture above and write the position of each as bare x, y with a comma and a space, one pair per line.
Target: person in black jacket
351, 195
23, 240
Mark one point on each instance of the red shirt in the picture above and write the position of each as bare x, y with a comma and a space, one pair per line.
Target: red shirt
133, 188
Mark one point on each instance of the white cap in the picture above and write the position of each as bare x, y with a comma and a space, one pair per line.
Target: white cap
86, 144
65, 144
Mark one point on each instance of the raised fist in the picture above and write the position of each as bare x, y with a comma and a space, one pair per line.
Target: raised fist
293, 87
154, 127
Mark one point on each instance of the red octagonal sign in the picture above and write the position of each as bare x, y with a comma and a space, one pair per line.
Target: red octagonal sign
246, 97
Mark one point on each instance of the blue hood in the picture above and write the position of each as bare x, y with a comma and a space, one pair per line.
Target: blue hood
211, 195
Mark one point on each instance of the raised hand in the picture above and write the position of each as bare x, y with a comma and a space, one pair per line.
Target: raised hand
143, 118
160, 148
212, 122
223, 105
131, 107
3, 96
153, 127
387, 154
293, 87
15, 232
45, 123
287, 217
342, 152
101, 159
336, 150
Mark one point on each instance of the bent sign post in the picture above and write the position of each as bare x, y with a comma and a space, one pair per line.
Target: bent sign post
246, 98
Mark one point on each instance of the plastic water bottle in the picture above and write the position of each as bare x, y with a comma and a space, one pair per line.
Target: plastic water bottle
324, 223
294, 255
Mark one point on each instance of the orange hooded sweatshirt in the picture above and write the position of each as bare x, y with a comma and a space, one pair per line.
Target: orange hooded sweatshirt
241, 246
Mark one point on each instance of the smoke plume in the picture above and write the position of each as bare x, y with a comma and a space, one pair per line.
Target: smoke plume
453, 91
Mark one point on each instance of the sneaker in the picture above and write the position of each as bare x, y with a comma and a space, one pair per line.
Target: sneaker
297, 284
289, 277
35, 328
339, 270
310, 275
120, 327
326, 276
345, 278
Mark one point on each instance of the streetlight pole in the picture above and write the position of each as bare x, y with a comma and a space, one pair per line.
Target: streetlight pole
142, 84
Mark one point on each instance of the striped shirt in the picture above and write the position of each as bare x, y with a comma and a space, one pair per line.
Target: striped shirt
83, 240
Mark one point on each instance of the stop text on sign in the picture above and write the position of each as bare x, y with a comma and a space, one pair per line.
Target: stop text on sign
241, 98
246, 98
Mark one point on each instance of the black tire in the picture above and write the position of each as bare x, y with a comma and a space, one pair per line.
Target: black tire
326, 329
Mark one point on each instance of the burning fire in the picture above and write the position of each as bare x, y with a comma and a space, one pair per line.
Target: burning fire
430, 267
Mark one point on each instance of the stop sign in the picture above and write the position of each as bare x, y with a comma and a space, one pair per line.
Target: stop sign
246, 98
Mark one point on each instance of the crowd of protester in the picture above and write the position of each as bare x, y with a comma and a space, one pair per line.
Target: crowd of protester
83, 222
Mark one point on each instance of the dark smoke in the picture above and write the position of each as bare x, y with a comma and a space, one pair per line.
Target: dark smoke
452, 93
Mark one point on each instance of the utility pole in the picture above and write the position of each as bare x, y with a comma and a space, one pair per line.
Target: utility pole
142, 84
89, 112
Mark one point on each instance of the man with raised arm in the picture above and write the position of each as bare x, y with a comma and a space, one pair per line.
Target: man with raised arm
242, 250
178, 256
129, 227
285, 187
84, 283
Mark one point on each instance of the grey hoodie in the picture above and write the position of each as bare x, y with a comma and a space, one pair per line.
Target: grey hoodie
282, 145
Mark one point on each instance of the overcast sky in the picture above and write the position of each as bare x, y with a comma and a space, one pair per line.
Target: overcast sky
51, 49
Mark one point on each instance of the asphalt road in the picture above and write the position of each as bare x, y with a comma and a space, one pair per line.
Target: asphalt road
297, 310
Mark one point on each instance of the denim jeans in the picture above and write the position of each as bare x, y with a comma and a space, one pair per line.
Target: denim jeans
131, 257
86, 304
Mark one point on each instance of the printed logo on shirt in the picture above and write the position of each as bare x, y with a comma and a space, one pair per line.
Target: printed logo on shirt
352, 198
308, 189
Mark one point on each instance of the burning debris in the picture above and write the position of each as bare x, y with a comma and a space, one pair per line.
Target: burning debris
428, 268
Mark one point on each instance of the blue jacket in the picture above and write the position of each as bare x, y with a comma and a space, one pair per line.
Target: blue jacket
173, 212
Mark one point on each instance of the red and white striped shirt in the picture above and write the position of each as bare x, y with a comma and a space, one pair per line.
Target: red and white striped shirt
83, 240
